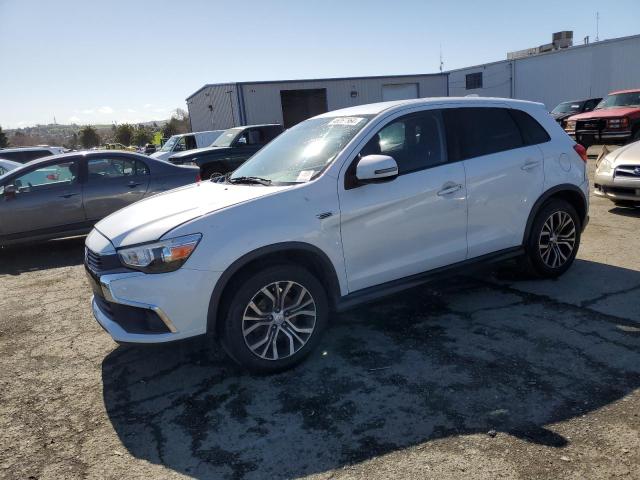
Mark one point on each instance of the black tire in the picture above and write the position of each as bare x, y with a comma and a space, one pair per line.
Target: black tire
208, 170
635, 136
245, 291
535, 260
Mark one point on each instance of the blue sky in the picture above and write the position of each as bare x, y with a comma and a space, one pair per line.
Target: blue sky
98, 62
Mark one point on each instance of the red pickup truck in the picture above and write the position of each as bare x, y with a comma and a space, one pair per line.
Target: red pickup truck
615, 120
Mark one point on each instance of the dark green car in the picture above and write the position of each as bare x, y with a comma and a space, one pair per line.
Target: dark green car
230, 150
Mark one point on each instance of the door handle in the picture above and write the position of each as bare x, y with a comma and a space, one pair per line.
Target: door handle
68, 195
449, 189
530, 164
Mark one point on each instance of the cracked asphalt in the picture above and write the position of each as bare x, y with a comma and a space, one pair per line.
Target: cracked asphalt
487, 376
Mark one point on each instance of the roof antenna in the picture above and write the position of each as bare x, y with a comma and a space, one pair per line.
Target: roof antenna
441, 62
597, 26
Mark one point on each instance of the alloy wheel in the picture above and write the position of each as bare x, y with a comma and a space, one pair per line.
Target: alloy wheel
557, 239
279, 320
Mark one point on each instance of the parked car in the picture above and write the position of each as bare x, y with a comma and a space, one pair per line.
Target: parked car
616, 120
230, 150
149, 148
186, 141
7, 165
67, 194
119, 146
565, 110
26, 154
340, 209
618, 176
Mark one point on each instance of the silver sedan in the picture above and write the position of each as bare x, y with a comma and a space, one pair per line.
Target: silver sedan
64, 195
618, 176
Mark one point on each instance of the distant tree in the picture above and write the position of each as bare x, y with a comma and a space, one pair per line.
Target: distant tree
89, 137
4, 141
124, 134
178, 123
72, 143
141, 136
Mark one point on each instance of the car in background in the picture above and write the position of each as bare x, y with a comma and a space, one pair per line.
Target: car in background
186, 141
65, 195
615, 120
565, 110
149, 148
230, 150
26, 154
617, 176
340, 209
8, 165
119, 146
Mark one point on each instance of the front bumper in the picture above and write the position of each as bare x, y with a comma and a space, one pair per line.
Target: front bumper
594, 137
134, 307
614, 188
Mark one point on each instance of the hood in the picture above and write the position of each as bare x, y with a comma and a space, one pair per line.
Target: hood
628, 154
561, 116
606, 113
148, 220
196, 151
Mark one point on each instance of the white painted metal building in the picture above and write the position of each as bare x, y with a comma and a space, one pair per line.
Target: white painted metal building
579, 72
286, 102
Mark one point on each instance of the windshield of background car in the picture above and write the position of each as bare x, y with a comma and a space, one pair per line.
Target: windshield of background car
227, 137
630, 99
567, 107
304, 151
169, 144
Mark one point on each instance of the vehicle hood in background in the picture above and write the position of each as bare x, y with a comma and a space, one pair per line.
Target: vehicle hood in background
148, 220
606, 113
196, 152
627, 155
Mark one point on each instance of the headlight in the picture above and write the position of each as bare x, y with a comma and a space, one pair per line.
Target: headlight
605, 166
570, 125
159, 257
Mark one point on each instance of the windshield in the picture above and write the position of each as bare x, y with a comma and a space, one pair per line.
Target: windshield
227, 137
169, 144
567, 107
630, 99
302, 152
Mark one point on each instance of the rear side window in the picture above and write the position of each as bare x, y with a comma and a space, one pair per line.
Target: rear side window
473, 132
532, 132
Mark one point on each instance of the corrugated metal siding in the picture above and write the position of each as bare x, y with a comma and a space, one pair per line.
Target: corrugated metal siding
224, 113
496, 80
578, 73
263, 105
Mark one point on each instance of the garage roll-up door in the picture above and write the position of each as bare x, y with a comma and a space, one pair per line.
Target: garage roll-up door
399, 91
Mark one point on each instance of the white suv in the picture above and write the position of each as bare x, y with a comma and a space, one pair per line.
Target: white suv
342, 208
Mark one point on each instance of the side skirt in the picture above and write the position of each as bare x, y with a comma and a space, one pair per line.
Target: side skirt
379, 291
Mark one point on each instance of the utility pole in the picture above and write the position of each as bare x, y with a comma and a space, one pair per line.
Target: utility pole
441, 62
597, 26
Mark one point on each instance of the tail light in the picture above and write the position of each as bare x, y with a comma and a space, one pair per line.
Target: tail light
198, 178
580, 150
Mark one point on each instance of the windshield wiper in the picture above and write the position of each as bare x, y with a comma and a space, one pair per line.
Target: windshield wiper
259, 180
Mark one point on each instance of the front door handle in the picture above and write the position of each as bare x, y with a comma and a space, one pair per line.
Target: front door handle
530, 164
449, 188
68, 195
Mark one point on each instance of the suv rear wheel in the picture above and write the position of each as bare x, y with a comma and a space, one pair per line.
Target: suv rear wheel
275, 318
554, 239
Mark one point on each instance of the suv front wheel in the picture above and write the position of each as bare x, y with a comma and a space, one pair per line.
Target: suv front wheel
275, 318
554, 239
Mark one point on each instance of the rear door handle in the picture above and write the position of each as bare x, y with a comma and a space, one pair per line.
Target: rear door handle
449, 189
68, 195
529, 164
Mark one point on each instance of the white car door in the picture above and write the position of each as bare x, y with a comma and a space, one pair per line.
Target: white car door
412, 223
504, 173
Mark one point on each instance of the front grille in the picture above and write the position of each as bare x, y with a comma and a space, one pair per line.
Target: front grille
628, 171
595, 124
101, 263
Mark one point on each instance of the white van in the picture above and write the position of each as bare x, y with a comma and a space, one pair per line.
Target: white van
186, 141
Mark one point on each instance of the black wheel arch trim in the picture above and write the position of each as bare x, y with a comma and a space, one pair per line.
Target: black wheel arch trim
564, 187
333, 289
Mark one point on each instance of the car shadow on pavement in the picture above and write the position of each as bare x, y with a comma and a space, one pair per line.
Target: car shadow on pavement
472, 356
32, 257
626, 212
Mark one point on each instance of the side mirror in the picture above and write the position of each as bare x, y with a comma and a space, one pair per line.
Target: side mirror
242, 141
373, 168
9, 191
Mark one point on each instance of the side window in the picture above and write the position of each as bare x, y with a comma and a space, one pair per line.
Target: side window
415, 142
141, 168
255, 136
532, 132
190, 142
104, 168
60, 174
590, 105
180, 145
2, 171
29, 155
473, 81
473, 132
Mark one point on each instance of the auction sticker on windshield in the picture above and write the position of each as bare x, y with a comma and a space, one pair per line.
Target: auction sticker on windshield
305, 175
346, 121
